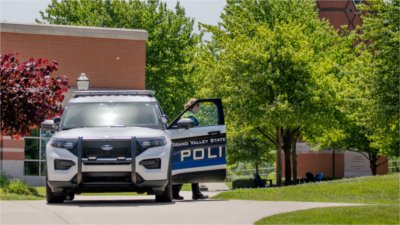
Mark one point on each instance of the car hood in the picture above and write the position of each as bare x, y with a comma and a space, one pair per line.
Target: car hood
108, 133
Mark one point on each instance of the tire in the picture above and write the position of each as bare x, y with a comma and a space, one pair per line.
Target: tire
70, 197
166, 196
51, 198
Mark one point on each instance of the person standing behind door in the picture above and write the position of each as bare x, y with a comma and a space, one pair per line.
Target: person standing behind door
196, 193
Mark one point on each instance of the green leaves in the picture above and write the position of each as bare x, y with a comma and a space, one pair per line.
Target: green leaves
369, 85
380, 78
269, 65
272, 64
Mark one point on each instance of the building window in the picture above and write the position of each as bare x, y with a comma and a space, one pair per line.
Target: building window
357, 1
35, 153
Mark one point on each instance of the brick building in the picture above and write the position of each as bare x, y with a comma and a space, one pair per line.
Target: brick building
111, 58
340, 12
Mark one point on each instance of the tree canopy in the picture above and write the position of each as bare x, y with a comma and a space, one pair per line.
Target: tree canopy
170, 46
368, 110
379, 84
29, 94
273, 64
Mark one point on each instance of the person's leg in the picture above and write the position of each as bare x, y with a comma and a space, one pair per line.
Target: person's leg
196, 193
196, 189
175, 191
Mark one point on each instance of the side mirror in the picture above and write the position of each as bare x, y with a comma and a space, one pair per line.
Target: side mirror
51, 125
164, 119
185, 123
48, 125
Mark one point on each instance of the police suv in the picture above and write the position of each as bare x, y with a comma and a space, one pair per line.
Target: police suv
113, 141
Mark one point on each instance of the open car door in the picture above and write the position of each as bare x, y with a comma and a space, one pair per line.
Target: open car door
199, 143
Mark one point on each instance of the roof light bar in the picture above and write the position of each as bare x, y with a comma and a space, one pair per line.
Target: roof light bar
114, 92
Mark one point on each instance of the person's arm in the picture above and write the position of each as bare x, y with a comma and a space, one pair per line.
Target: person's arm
195, 121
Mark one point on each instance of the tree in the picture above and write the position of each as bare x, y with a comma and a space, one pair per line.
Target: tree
272, 63
249, 147
29, 93
380, 36
347, 135
368, 112
170, 46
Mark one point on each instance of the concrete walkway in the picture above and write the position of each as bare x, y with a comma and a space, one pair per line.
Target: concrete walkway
215, 186
144, 210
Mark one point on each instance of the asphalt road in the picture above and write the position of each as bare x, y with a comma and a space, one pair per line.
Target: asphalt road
144, 210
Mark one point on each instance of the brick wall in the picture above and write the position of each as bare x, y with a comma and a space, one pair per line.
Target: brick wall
339, 12
316, 162
109, 62
12, 149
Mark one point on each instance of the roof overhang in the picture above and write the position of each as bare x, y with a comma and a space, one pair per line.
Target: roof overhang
74, 31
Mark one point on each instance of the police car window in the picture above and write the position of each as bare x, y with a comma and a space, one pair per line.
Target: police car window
108, 114
203, 114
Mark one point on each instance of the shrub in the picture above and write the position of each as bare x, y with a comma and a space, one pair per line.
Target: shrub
21, 188
243, 183
249, 183
4, 180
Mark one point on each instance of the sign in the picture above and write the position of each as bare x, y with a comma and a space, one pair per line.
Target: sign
356, 165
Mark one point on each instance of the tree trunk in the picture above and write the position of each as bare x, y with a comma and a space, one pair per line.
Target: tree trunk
288, 169
287, 147
294, 162
278, 157
333, 163
257, 170
373, 160
288, 136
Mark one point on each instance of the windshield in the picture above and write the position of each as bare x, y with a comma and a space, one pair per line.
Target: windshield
111, 114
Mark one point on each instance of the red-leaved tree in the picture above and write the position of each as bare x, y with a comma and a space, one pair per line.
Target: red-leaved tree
28, 93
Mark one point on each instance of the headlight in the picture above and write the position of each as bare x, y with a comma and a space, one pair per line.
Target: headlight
146, 143
67, 144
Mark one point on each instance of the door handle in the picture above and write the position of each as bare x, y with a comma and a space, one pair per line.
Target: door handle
216, 132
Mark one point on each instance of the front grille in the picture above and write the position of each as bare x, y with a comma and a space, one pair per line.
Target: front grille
106, 177
101, 149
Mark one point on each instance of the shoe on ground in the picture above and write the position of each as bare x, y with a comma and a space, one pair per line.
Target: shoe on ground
199, 197
178, 197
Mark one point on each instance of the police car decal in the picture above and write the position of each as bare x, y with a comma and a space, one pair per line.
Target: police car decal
198, 154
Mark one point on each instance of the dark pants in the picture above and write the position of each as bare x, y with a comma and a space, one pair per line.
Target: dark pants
177, 188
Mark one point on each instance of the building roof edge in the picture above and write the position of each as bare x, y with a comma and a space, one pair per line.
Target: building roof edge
74, 31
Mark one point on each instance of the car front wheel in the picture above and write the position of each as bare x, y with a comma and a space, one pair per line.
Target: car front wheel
166, 196
51, 197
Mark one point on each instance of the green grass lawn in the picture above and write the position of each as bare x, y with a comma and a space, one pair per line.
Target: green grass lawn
375, 190
186, 187
369, 214
381, 190
229, 184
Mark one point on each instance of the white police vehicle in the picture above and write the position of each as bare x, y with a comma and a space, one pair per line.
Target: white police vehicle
112, 141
